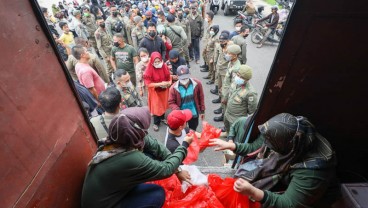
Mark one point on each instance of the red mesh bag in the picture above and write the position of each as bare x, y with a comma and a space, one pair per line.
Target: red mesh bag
224, 190
208, 132
193, 150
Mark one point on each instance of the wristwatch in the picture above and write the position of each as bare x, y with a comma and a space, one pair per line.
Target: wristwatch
179, 169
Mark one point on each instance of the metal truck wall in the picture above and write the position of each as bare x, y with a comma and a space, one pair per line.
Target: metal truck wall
320, 71
45, 140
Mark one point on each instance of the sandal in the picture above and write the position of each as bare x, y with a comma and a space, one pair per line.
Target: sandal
155, 127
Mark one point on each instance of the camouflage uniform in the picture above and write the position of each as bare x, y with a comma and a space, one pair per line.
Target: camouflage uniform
221, 65
209, 55
138, 34
104, 45
129, 97
110, 24
129, 28
177, 36
90, 23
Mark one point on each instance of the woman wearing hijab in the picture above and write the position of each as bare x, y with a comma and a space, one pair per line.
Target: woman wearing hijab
293, 158
158, 80
174, 62
117, 174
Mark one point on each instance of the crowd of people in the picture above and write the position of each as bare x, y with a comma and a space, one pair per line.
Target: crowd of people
132, 62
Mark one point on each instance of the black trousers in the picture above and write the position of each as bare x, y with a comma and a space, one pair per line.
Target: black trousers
193, 123
157, 119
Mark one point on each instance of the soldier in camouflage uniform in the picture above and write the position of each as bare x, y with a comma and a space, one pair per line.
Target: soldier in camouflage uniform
240, 41
206, 36
112, 21
184, 23
212, 39
90, 22
104, 44
129, 27
129, 95
233, 67
242, 98
138, 32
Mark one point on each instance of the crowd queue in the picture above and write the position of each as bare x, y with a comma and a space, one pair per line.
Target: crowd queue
132, 61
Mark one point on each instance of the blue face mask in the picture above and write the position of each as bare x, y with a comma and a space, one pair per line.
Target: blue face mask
239, 81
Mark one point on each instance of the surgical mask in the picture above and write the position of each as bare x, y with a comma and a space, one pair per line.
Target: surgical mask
152, 33
237, 29
212, 33
238, 80
206, 19
116, 44
228, 57
144, 59
102, 25
184, 81
128, 85
158, 65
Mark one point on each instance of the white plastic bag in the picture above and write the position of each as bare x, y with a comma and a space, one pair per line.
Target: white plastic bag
197, 178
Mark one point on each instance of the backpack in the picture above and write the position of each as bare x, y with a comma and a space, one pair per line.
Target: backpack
118, 27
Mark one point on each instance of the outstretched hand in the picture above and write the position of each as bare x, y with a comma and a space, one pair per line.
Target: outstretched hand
221, 144
184, 176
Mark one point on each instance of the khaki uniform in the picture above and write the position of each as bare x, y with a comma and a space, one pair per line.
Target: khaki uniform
184, 23
177, 36
90, 23
240, 41
129, 97
104, 45
221, 65
209, 55
228, 83
206, 36
242, 102
129, 27
138, 34
111, 22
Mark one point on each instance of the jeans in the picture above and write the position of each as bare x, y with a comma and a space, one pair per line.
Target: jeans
194, 49
157, 119
144, 195
193, 123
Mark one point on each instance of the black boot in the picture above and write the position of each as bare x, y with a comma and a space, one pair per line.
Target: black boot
204, 69
223, 129
203, 66
218, 111
218, 100
219, 118
214, 91
210, 82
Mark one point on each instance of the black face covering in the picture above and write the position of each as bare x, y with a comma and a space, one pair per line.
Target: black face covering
223, 45
152, 33
115, 14
116, 44
180, 16
102, 25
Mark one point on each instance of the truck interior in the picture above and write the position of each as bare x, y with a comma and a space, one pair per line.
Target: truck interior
319, 72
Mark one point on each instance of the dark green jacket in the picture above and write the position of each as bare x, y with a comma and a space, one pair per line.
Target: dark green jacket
307, 187
108, 182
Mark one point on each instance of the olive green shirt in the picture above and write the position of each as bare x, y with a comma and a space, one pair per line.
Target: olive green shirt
107, 182
233, 67
124, 57
242, 102
219, 59
240, 41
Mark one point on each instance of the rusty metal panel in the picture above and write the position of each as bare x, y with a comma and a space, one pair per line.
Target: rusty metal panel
320, 71
46, 141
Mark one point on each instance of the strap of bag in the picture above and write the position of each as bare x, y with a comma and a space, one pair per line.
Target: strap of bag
102, 120
175, 32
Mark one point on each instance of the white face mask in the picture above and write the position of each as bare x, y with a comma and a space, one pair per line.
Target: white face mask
206, 19
144, 59
239, 81
184, 81
128, 85
237, 29
212, 33
158, 65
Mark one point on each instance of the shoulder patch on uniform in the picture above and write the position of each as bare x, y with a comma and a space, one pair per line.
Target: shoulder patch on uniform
98, 35
250, 99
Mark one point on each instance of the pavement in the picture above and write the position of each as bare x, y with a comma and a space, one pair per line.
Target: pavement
260, 59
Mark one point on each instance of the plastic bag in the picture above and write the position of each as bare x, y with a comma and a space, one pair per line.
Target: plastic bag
197, 178
193, 150
208, 132
224, 191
